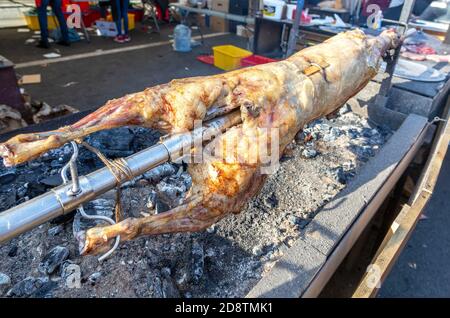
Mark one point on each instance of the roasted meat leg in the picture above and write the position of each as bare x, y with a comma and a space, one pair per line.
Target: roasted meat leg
280, 97
171, 107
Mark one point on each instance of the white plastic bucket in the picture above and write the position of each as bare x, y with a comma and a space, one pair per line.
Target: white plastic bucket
274, 9
290, 11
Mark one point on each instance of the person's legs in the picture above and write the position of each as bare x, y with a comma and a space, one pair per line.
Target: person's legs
113, 4
124, 10
103, 5
42, 16
164, 4
57, 10
118, 20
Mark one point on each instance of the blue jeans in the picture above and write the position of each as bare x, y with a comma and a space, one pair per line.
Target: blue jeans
42, 15
122, 13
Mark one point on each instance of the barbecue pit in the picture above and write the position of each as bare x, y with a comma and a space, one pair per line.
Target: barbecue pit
227, 260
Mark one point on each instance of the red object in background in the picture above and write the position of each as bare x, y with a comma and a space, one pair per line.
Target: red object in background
207, 59
256, 60
90, 17
64, 3
383, 4
84, 5
138, 14
420, 49
10, 91
159, 13
304, 18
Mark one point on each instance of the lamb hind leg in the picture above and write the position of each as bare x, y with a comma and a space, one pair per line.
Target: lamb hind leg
189, 217
197, 214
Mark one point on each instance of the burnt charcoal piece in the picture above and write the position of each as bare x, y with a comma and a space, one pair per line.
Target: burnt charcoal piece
13, 250
32, 287
7, 177
53, 259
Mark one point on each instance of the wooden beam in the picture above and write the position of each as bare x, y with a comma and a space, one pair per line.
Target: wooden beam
404, 224
447, 36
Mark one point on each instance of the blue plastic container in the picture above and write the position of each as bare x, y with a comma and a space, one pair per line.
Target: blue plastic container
182, 38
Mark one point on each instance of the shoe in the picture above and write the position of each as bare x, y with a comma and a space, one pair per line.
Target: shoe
126, 38
119, 39
63, 42
43, 44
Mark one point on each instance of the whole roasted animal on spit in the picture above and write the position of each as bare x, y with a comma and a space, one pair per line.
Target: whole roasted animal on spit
281, 96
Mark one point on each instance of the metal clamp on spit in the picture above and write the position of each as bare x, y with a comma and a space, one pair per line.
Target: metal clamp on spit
75, 190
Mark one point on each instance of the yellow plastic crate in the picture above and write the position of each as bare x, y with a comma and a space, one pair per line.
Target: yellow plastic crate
33, 22
131, 24
228, 57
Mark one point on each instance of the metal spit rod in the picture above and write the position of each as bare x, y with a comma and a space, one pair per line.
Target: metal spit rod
61, 200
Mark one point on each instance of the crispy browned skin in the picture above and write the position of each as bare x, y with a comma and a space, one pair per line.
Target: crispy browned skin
276, 95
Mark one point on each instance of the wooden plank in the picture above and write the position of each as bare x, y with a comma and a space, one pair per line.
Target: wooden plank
447, 36
30, 79
406, 221
314, 68
424, 177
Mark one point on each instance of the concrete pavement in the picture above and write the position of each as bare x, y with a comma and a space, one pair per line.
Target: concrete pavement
89, 82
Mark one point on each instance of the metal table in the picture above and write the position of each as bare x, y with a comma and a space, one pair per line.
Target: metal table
227, 16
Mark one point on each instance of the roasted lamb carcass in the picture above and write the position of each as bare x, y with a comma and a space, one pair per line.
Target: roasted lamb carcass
281, 96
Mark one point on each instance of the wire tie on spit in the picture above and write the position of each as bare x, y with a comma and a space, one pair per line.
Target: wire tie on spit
119, 168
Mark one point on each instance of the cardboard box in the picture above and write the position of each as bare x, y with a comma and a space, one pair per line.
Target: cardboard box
221, 5
254, 6
218, 24
200, 20
105, 28
243, 31
30, 79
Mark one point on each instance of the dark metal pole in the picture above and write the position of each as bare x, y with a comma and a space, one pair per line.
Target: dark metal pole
292, 42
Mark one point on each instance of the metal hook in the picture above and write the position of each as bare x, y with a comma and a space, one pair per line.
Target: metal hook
436, 119
103, 218
76, 190
73, 171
